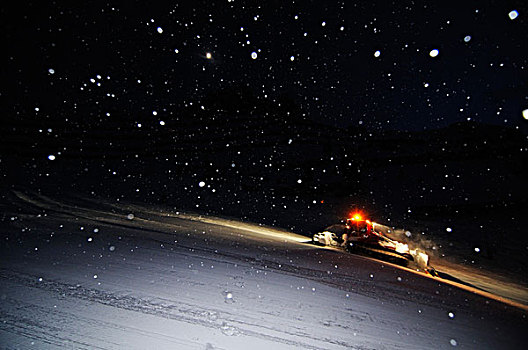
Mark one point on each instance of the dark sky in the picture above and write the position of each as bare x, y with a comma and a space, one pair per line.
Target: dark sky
345, 63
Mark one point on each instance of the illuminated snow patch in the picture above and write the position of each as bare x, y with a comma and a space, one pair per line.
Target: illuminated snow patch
249, 228
434, 53
513, 14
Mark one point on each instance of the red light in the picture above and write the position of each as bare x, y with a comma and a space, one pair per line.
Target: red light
356, 217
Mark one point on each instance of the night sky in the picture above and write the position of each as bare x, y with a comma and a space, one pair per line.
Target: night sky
341, 63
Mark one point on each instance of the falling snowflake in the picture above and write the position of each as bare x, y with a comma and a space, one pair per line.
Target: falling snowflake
51, 157
160, 30
254, 55
377, 53
434, 53
467, 38
51, 71
513, 14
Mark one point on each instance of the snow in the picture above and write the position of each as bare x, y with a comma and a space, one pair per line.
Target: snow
254, 55
377, 53
434, 53
187, 281
513, 14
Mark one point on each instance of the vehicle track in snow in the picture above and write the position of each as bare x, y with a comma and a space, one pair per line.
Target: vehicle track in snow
177, 280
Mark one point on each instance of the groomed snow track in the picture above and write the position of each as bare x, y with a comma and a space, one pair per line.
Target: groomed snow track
84, 273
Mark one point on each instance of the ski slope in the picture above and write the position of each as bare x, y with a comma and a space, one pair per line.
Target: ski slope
86, 274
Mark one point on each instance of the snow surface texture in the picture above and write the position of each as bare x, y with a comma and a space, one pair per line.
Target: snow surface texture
90, 274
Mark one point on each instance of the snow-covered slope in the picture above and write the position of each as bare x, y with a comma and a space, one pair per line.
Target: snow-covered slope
90, 274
